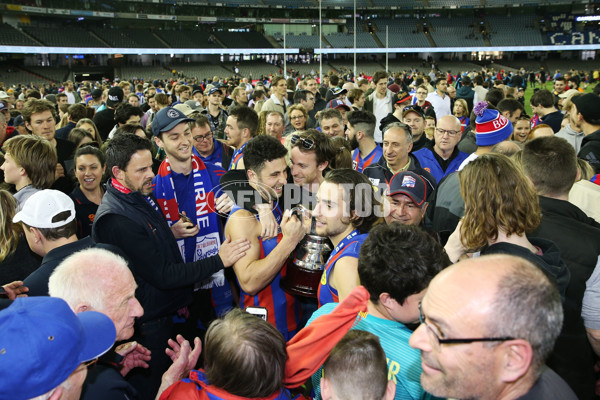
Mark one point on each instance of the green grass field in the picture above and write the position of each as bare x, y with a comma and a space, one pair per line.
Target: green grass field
529, 93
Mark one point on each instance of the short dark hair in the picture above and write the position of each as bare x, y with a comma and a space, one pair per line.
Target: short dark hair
246, 118
329, 113
357, 367
362, 197
510, 105
90, 150
77, 112
363, 120
62, 232
354, 94
121, 148
478, 79
251, 347
301, 95
260, 150
400, 260
560, 78
551, 164
494, 96
323, 148
126, 110
440, 79
379, 75
543, 98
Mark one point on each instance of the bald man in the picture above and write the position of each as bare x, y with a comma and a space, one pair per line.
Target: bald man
487, 326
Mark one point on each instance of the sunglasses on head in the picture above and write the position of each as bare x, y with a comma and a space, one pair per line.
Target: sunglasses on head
306, 143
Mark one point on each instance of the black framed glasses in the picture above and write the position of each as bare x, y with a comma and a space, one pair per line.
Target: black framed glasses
440, 341
306, 143
200, 138
449, 132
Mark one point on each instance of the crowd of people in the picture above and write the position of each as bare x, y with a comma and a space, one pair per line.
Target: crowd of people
143, 223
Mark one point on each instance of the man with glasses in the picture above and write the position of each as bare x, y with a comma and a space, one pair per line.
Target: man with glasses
487, 326
395, 265
206, 146
442, 157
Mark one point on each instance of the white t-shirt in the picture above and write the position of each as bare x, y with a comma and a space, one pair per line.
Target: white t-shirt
381, 108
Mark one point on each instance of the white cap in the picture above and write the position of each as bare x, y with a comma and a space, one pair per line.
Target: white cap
4, 95
39, 209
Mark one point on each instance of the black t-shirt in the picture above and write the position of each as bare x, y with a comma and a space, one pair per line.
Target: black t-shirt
105, 121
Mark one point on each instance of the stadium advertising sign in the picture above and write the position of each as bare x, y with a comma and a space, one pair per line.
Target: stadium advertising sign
573, 38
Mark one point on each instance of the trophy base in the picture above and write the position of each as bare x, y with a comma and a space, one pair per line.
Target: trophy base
300, 281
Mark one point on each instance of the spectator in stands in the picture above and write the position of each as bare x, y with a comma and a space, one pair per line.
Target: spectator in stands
380, 102
29, 164
586, 116
396, 264
58, 353
75, 113
542, 104
357, 368
298, 118
441, 157
89, 170
210, 149
511, 109
81, 137
39, 116
397, 157
466, 93
306, 99
242, 124
360, 134
129, 221
439, 99
71, 93
551, 165
133, 99
331, 122
88, 125
62, 98
6, 132
522, 129
16, 259
511, 209
105, 119
491, 291
357, 98
215, 113
407, 196
278, 100
460, 111
126, 114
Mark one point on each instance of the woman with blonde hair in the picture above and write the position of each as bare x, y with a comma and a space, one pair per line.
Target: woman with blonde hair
501, 207
298, 117
461, 111
16, 259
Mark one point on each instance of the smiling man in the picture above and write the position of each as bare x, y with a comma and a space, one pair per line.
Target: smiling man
442, 157
261, 270
309, 157
130, 218
487, 326
407, 195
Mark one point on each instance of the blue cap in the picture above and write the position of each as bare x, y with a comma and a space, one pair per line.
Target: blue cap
43, 341
337, 103
167, 119
410, 184
214, 90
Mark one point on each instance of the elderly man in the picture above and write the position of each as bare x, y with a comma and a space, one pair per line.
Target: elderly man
442, 157
487, 326
99, 280
275, 125
407, 195
397, 144
45, 348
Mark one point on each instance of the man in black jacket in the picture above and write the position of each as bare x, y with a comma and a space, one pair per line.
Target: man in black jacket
130, 219
585, 114
551, 164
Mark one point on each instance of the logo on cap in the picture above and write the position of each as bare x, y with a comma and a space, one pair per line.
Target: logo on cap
408, 181
113, 98
172, 113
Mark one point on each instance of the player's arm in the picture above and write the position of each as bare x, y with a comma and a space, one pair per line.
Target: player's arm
254, 274
344, 276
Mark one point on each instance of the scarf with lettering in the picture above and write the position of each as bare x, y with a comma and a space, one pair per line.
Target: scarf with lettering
199, 192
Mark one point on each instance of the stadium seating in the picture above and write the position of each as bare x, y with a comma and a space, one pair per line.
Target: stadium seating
63, 37
402, 32
10, 36
454, 32
516, 30
302, 41
135, 38
344, 40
